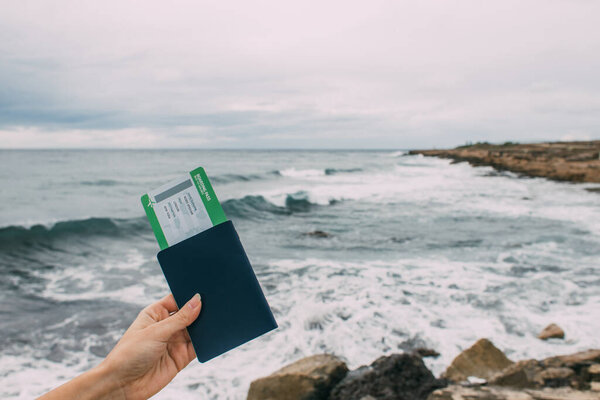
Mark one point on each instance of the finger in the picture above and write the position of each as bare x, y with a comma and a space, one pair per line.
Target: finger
159, 310
178, 321
168, 302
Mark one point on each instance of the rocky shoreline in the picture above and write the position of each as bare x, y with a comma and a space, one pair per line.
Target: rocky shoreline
481, 372
563, 161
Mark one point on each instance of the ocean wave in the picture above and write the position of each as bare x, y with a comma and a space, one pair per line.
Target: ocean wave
311, 173
229, 178
100, 182
257, 206
333, 171
13, 235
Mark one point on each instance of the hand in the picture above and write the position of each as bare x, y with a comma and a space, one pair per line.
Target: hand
154, 348
149, 355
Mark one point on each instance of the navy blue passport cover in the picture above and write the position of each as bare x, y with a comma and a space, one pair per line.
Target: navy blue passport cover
234, 309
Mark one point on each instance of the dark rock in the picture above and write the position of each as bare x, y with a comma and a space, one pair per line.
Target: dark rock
398, 377
482, 360
318, 234
310, 378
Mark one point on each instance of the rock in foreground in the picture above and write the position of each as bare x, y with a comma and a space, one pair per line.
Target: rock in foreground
395, 377
482, 360
310, 378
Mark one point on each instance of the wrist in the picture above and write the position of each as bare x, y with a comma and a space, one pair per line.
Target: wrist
106, 384
101, 382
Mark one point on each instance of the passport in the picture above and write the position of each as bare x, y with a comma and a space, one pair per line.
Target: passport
201, 252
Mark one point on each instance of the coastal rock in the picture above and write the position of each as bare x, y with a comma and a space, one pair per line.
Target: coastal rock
552, 331
594, 374
318, 234
522, 374
457, 392
310, 378
574, 370
397, 377
482, 360
565, 161
576, 360
557, 377
594, 371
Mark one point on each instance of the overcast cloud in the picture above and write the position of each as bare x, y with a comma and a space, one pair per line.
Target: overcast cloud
310, 74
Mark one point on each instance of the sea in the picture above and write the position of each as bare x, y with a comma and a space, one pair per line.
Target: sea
419, 252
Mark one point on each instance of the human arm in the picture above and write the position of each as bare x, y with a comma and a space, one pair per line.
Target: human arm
148, 356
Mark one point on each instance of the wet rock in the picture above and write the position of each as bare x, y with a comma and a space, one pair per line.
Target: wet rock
318, 234
310, 378
457, 392
397, 377
552, 331
482, 360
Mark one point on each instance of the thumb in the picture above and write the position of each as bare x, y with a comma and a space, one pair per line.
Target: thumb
178, 321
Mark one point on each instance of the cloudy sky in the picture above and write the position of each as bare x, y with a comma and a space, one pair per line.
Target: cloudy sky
302, 74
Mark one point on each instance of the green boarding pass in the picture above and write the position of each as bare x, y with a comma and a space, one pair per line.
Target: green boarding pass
182, 208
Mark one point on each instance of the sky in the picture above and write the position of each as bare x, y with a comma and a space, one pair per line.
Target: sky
301, 74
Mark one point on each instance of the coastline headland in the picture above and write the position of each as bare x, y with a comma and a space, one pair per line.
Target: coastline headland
563, 161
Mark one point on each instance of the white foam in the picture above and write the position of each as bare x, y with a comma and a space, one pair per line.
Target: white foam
302, 173
398, 153
87, 282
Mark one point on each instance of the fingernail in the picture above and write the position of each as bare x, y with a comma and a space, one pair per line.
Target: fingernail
194, 301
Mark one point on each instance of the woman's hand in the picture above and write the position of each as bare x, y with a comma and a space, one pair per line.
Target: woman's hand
149, 355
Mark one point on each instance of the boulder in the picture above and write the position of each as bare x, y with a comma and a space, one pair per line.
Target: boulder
522, 374
310, 378
482, 360
397, 377
552, 331
457, 392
